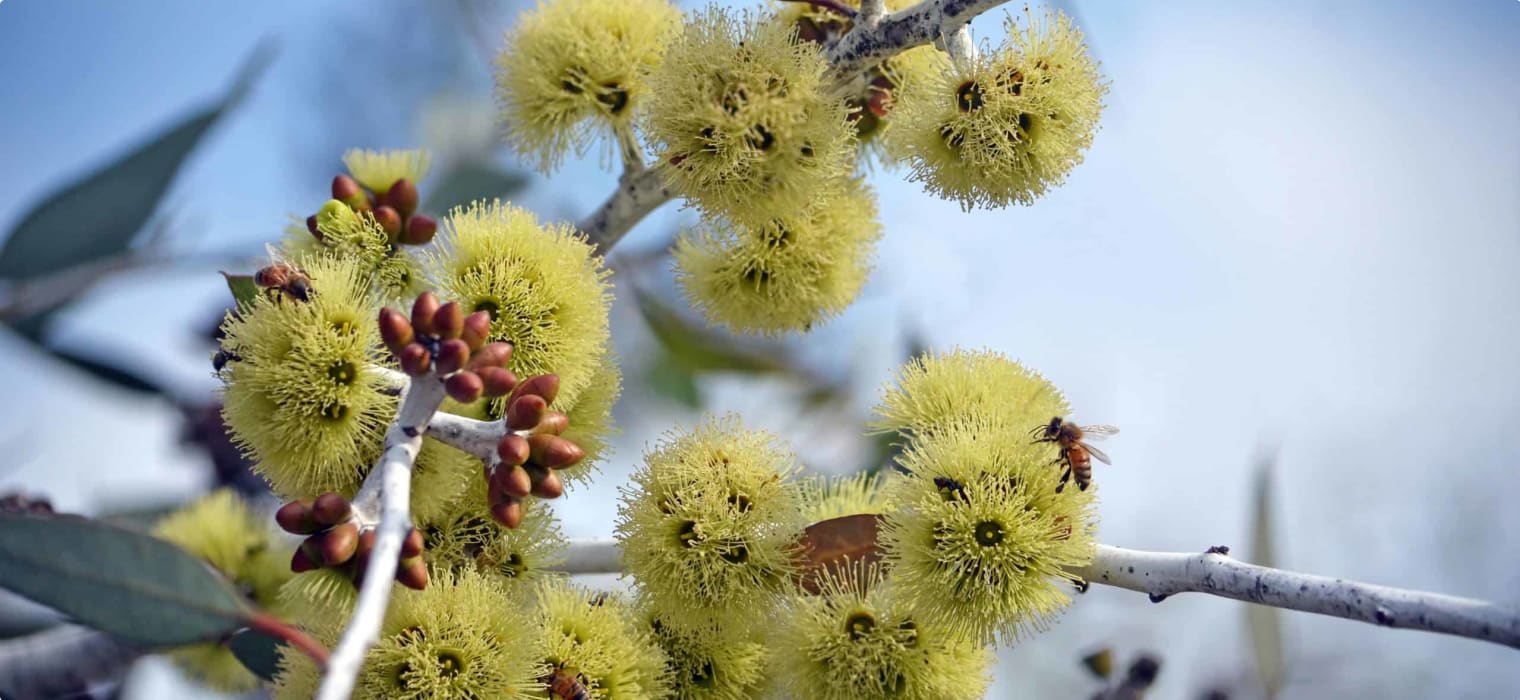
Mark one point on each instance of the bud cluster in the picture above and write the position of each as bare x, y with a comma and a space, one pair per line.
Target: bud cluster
393, 210
337, 539
441, 339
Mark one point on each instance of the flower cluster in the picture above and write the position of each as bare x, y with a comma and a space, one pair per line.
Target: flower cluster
1007, 126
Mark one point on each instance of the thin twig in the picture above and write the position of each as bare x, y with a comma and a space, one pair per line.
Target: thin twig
1162, 574
864, 46
295, 636
386, 493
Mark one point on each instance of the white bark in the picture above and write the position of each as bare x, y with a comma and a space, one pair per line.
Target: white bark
1163, 574
638, 193
386, 493
868, 44
871, 12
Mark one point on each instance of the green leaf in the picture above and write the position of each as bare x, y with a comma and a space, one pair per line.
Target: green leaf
119, 581
99, 215
258, 652
469, 181
695, 348
243, 289
109, 373
1265, 622
673, 380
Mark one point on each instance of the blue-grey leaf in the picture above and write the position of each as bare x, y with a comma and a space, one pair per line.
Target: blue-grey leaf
120, 581
258, 652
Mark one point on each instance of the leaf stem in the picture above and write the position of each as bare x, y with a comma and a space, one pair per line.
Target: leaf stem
272, 626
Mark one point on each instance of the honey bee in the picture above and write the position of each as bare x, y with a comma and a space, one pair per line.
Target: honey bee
281, 277
1075, 452
566, 686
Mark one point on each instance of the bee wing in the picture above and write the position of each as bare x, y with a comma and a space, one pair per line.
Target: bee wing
274, 253
1099, 431
1095, 452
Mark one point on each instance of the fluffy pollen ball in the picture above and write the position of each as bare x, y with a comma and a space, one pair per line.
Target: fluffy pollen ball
573, 69
938, 390
860, 639
378, 170
979, 536
546, 292
786, 273
708, 661
236, 541
708, 523
1006, 127
462, 637
743, 118
465, 537
597, 638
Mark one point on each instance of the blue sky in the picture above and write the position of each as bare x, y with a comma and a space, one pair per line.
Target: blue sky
1298, 225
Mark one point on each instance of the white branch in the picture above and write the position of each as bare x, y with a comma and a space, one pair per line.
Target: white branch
60, 660
868, 44
476, 437
1162, 574
386, 492
637, 194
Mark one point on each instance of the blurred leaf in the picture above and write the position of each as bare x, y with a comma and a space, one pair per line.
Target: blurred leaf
828, 546
673, 380
1100, 663
119, 581
258, 652
109, 373
1264, 622
470, 181
99, 215
243, 289
695, 348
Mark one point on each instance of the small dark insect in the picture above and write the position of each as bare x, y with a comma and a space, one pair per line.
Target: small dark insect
222, 357
950, 489
1075, 452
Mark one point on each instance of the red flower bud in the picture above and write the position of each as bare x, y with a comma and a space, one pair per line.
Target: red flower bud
477, 327
416, 360
419, 230
492, 355
339, 544
554, 452
413, 574
330, 509
545, 385
513, 450
452, 354
295, 518
509, 513
497, 381
511, 481
395, 330
389, 221
448, 322
525, 412
422, 313
546, 484
347, 190
403, 196
300, 563
464, 386
413, 545
554, 423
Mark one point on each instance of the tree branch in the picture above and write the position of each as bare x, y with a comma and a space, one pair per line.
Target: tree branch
864, 46
1162, 574
386, 497
871, 12
638, 194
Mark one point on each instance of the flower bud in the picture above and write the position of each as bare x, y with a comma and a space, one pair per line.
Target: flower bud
546, 484
346, 189
492, 355
311, 226
333, 214
512, 481
554, 423
366, 543
509, 512
448, 322
403, 196
554, 452
413, 544
526, 412
300, 563
423, 311
339, 544
477, 327
295, 518
513, 450
545, 385
330, 509
415, 360
452, 354
395, 330
389, 221
419, 230
497, 381
413, 574
464, 386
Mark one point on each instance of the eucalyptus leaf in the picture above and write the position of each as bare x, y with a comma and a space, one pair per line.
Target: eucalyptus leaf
1265, 622
258, 652
242, 287
697, 348
99, 215
673, 380
109, 372
123, 582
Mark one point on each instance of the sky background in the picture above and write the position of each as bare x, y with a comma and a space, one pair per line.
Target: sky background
1298, 228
